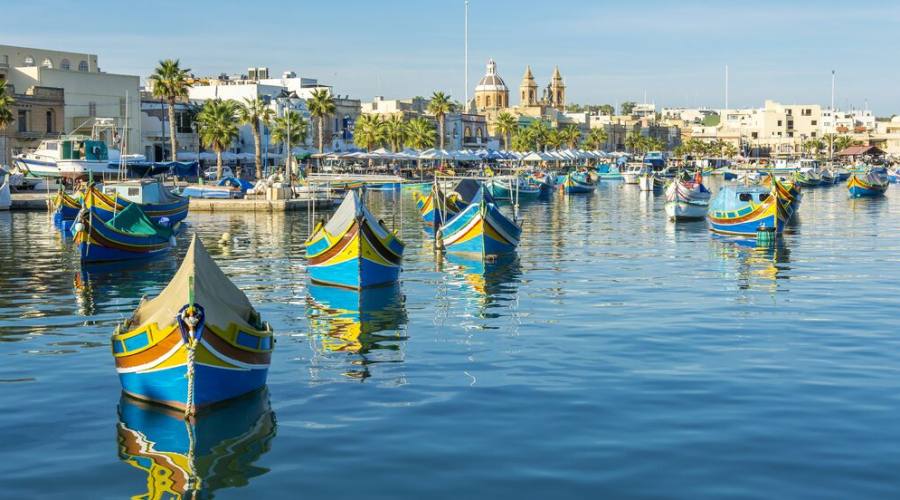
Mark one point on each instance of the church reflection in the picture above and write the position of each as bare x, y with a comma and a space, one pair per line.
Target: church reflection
193, 459
365, 324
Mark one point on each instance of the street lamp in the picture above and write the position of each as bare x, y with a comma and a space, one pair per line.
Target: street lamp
196, 128
287, 100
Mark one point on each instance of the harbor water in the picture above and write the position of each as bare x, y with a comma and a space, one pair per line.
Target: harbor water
618, 355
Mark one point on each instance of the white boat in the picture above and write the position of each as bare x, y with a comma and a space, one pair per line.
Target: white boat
687, 200
42, 161
71, 157
5, 197
646, 182
633, 172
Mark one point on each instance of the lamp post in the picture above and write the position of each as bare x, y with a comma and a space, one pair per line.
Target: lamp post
196, 129
287, 100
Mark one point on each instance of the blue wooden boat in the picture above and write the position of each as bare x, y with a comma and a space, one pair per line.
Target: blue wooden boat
575, 184
437, 206
198, 343
195, 459
545, 182
157, 202
354, 249
128, 235
65, 209
743, 210
512, 188
868, 185
481, 229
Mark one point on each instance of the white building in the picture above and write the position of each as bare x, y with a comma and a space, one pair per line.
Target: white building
89, 92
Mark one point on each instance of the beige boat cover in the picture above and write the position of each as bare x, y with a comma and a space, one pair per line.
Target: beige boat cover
222, 301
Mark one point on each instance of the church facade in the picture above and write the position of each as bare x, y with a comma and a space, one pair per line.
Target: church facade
492, 97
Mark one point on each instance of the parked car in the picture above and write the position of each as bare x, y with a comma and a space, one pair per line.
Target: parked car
210, 173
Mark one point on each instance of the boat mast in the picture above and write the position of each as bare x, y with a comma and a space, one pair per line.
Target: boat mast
833, 124
466, 69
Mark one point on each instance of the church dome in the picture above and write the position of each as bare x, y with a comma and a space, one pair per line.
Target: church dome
491, 82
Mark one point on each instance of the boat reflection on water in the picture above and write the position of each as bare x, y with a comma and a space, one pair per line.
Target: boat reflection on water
757, 264
489, 283
96, 282
192, 459
365, 323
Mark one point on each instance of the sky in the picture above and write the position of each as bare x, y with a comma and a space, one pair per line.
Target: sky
674, 52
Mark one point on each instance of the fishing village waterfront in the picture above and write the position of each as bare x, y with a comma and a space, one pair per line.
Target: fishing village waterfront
422, 279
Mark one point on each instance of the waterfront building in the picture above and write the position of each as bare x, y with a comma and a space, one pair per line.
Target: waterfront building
155, 145
89, 94
38, 113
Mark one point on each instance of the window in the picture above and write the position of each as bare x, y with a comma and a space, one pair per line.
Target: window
29, 61
523, 95
65, 65
745, 197
779, 123
468, 132
122, 105
47, 64
23, 121
49, 122
83, 67
487, 101
763, 196
755, 135
92, 109
813, 123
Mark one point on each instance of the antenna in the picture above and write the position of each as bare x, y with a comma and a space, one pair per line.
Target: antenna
726, 88
466, 103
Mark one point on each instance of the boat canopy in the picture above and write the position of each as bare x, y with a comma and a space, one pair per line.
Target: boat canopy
736, 197
466, 189
141, 191
212, 290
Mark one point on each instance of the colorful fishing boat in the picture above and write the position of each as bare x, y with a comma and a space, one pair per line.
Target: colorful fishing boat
155, 200
744, 210
199, 343
437, 206
687, 199
481, 229
513, 189
545, 182
65, 208
128, 235
808, 177
354, 249
651, 182
573, 184
872, 183
195, 459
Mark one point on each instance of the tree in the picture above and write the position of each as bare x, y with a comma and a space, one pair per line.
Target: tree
170, 81
420, 134
628, 107
634, 141
368, 132
570, 136
6, 114
506, 125
596, 139
256, 113
218, 128
439, 106
843, 142
607, 109
321, 105
291, 128
523, 139
395, 132
538, 134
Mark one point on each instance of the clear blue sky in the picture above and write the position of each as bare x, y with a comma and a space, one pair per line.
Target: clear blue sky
608, 52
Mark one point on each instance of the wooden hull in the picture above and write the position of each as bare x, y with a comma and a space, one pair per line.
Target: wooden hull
356, 259
860, 186
481, 230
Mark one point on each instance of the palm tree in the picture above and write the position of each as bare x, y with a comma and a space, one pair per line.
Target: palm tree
256, 113
218, 128
539, 134
6, 114
321, 105
523, 139
368, 132
420, 134
506, 125
596, 139
555, 138
395, 132
634, 141
439, 106
843, 142
570, 136
290, 128
170, 82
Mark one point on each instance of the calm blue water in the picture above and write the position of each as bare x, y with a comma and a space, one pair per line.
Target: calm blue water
618, 355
